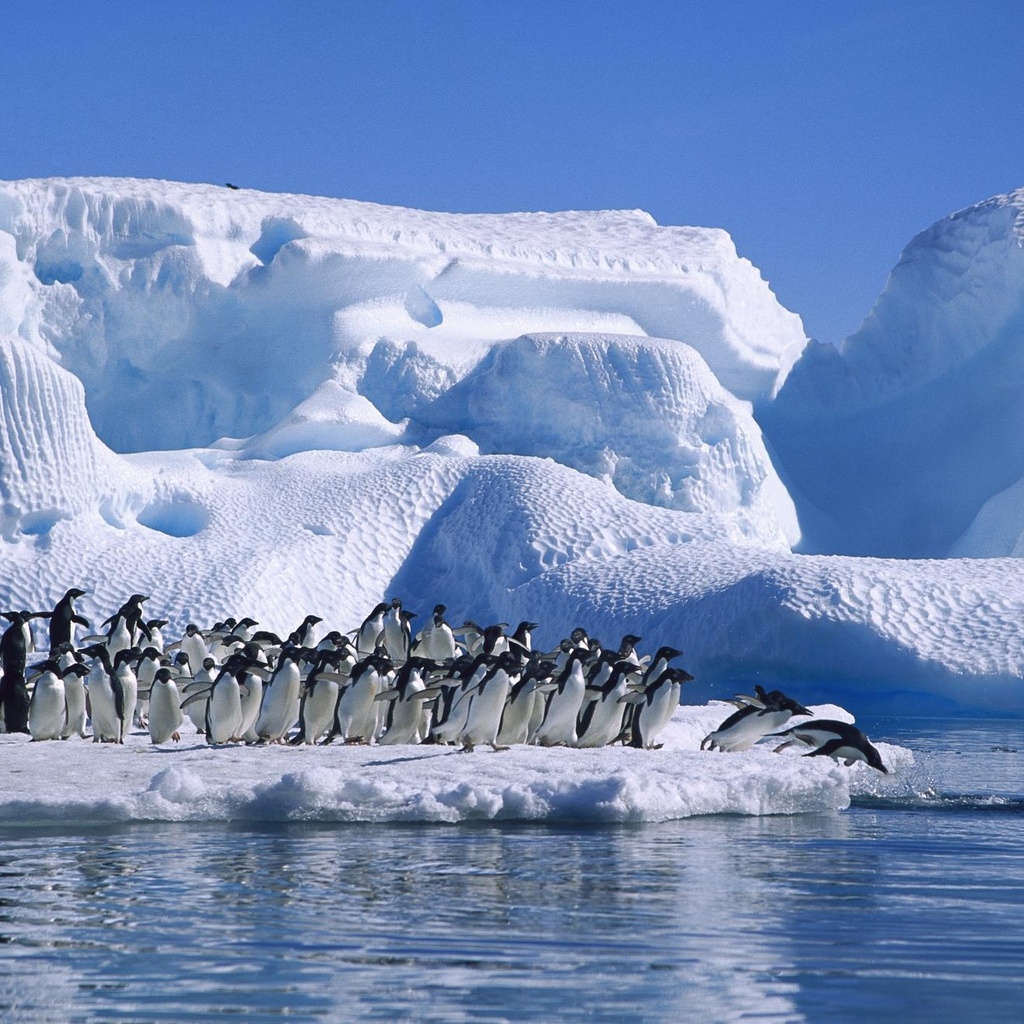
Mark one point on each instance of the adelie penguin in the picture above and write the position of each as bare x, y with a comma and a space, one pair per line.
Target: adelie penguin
64, 618
839, 740
655, 706
758, 716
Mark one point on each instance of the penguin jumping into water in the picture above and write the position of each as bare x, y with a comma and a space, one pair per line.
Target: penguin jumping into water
839, 740
757, 716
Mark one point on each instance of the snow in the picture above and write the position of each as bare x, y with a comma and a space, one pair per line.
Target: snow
78, 783
273, 405
894, 443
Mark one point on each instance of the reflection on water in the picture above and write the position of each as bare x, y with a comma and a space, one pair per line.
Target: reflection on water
881, 913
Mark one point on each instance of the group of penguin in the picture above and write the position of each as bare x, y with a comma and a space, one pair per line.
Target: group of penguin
469, 686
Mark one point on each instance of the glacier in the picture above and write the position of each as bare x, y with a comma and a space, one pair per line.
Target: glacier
246, 403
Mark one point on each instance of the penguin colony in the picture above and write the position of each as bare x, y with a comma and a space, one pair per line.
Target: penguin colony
470, 686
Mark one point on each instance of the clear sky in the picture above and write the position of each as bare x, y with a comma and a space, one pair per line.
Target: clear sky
821, 135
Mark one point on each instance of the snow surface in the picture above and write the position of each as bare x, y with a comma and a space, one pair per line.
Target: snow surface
272, 405
79, 783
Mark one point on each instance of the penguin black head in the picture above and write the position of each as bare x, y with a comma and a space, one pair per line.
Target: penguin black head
74, 593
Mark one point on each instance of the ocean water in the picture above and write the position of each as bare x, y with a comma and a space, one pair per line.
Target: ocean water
905, 908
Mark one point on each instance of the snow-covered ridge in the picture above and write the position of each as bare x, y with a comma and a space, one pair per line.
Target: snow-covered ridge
895, 441
177, 283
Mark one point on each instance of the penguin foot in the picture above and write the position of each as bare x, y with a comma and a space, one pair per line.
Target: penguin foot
498, 749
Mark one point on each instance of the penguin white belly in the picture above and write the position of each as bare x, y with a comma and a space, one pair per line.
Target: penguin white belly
47, 711
743, 734
655, 715
318, 709
406, 717
165, 715
515, 722
224, 712
74, 696
252, 701
483, 718
559, 725
130, 692
605, 721
105, 724
450, 729
357, 709
280, 709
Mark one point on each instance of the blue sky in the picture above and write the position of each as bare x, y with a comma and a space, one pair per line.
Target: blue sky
821, 135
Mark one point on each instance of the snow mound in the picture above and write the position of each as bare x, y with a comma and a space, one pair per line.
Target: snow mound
645, 415
895, 441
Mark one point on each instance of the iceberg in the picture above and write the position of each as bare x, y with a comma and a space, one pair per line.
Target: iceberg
273, 405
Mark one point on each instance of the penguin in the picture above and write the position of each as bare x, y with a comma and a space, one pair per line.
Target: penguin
487, 703
627, 649
600, 721
558, 727
193, 644
396, 633
156, 634
279, 710
64, 618
223, 701
165, 714
356, 717
252, 684
522, 637
320, 697
74, 691
404, 721
839, 740
523, 697
113, 690
471, 636
436, 641
15, 645
494, 641
654, 671
48, 710
756, 717
456, 693
200, 682
145, 673
369, 633
126, 625
305, 634
655, 706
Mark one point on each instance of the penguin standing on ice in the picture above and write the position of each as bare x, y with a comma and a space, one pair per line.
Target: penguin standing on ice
165, 714
15, 645
839, 740
558, 727
487, 703
655, 705
407, 719
48, 710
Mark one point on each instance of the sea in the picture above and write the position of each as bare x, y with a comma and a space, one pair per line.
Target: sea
904, 908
